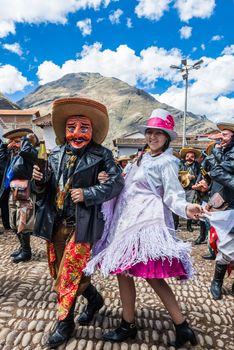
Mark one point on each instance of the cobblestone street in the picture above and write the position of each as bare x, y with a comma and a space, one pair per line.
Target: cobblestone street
28, 307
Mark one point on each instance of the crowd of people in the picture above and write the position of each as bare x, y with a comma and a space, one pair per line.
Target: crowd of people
119, 216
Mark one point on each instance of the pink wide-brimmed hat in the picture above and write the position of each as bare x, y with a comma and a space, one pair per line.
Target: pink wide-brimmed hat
160, 119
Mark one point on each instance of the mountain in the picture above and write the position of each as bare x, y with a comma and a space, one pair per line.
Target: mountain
127, 106
7, 104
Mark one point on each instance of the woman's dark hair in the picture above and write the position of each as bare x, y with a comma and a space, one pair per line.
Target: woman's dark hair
164, 148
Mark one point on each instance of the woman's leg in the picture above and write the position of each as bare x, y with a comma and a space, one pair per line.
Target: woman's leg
128, 297
127, 328
167, 296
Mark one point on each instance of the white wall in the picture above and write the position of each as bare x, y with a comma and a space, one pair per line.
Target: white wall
49, 137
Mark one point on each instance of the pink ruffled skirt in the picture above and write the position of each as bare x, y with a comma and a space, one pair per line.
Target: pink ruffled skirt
161, 268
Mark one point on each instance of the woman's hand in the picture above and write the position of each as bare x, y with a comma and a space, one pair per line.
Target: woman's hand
194, 211
36, 174
77, 195
103, 177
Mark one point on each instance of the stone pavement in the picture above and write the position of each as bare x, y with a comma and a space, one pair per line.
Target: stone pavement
28, 307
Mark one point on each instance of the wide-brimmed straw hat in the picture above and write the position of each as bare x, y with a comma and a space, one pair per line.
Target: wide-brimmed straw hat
226, 126
160, 119
18, 133
93, 110
122, 158
186, 150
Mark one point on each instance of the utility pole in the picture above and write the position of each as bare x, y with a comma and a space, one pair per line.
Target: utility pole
184, 68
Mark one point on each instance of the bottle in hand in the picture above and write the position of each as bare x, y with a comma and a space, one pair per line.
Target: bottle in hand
205, 175
42, 158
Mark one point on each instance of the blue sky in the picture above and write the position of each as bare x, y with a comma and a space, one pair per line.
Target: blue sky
133, 40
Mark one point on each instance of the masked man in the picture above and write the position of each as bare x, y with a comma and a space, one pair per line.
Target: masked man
20, 154
222, 172
189, 165
69, 213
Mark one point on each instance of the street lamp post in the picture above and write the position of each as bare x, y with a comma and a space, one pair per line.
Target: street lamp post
184, 68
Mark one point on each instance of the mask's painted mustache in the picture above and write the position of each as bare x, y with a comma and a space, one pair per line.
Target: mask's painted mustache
79, 139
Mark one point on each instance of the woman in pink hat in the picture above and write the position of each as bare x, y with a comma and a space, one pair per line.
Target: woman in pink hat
140, 238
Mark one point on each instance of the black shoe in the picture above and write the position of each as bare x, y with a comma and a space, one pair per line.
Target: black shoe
184, 334
208, 257
61, 334
125, 331
95, 303
216, 284
25, 254
199, 240
16, 252
233, 287
22, 257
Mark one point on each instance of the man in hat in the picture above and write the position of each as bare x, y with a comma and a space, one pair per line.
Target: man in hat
123, 161
222, 172
69, 213
189, 164
19, 155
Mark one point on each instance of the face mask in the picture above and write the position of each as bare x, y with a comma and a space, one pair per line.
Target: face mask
78, 131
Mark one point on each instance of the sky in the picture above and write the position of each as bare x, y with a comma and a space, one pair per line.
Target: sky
134, 40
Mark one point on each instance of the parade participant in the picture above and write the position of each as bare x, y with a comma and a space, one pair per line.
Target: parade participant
123, 161
205, 188
5, 195
222, 172
141, 240
189, 169
19, 154
69, 213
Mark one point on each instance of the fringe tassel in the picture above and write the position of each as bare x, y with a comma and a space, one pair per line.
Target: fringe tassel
145, 243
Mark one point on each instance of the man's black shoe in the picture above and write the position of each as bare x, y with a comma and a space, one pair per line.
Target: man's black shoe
95, 303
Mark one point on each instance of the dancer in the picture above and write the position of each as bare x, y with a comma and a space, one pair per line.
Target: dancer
69, 213
141, 240
189, 166
222, 172
19, 154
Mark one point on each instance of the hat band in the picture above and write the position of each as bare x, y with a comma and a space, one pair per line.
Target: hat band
159, 123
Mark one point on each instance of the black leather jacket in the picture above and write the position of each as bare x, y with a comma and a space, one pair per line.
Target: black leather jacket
89, 218
223, 171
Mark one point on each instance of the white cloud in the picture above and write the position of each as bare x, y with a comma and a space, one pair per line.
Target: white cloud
15, 48
185, 32
152, 10
208, 94
152, 63
203, 47
43, 11
217, 37
12, 80
85, 26
228, 50
6, 27
194, 49
129, 23
114, 17
194, 8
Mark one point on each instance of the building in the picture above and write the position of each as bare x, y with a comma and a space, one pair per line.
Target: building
11, 119
45, 124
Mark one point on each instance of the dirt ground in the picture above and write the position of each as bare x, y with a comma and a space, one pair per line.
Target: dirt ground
28, 306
